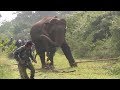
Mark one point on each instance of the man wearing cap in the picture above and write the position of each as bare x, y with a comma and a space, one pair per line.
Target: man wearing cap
23, 56
18, 43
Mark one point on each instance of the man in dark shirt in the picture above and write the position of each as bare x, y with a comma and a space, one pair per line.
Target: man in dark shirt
22, 56
18, 43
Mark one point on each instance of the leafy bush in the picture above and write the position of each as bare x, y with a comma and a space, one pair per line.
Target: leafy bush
94, 34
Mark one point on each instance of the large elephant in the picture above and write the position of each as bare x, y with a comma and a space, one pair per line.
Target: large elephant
47, 34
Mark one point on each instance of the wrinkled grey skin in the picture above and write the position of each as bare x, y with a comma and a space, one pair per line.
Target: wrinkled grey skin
48, 34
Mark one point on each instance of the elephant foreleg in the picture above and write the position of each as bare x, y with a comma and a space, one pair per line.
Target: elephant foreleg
50, 55
66, 50
42, 57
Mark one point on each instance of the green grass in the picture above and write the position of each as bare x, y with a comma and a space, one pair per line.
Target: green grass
7, 68
85, 70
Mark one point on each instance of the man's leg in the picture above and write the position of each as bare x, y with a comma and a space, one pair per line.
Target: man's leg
22, 71
30, 66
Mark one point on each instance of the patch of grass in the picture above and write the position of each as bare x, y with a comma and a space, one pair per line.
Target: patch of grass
85, 70
4, 71
8, 68
115, 68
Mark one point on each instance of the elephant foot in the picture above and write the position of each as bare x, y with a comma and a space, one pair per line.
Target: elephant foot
73, 65
52, 67
48, 67
44, 67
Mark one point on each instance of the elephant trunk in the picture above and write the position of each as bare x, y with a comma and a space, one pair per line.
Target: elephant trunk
49, 40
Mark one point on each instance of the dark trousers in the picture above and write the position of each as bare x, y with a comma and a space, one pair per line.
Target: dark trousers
22, 70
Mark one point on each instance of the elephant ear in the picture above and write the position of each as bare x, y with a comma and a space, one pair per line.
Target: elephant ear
53, 21
63, 21
46, 25
49, 24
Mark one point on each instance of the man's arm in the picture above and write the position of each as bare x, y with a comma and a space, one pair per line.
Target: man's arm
17, 53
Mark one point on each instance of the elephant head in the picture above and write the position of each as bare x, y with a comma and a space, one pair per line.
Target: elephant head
54, 31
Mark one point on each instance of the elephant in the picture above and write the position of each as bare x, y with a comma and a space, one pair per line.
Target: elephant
49, 34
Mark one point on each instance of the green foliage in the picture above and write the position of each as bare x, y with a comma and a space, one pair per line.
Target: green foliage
6, 29
94, 34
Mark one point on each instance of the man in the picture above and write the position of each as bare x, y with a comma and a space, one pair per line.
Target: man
18, 43
22, 56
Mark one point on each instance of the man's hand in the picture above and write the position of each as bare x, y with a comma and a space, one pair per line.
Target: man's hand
35, 61
21, 61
